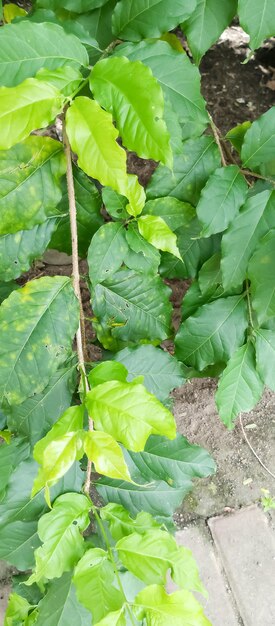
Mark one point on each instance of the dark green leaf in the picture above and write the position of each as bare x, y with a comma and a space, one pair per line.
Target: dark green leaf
106, 252
17, 251
141, 255
114, 203
60, 606
210, 274
257, 19
260, 273
6, 289
259, 142
206, 23
137, 19
174, 212
237, 134
265, 356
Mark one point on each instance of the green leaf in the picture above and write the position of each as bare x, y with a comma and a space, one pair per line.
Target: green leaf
93, 137
17, 251
199, 159
159, 608
10, 455
240, 386
17, 609
34, 417
60, 607
155, 230
132, 307
242, 236
129, 91
30, 189
106, 252
38, 323
26, 47
11, 11
177, 462
60, 531
99, 23
265, 356
32, 104
141, 255
162, 372
221, 199
174, 212
116, 618
6, 289
88, 204
259, 142
77, 6
121, 524
237, 134
93, 578
213, 333
108, 370
66, 79
260, 273
210, 274
179, 80
193, 249
106, 455
129, 413
138, 19
206, 23
114, 204
258, 20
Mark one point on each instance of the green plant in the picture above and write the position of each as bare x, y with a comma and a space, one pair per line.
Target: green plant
67, 61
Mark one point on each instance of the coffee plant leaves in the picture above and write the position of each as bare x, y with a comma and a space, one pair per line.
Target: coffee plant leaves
258, 20
60, 531
174, 212
106, 455
220, 330
6, 289
121, 524
11, 11
260, 273
70, 421
193, 249
210, 275
66, 79
30, 175
199, 159
106, 252
27, 47
107, 370
116, 83
11, 454
99, 23
160, 608
114, 204
162, 372
38, 322
155, 230
18, 607
237, 134
134, 20
87, 125
131, 307
32, 104
18, 250
175, 462
60, 606
221, 199
78, 6
93, 579
259, 141
141, 255
88, 204
242, 236
18, 542
240, 386
194, 299
129, 413
116, 618
179, 80
265, 356
34, 417
206, 23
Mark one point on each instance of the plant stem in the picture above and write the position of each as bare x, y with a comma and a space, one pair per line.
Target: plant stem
217, 139
249, 304
255, 175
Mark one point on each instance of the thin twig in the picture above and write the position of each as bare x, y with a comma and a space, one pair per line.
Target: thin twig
252, 449
217, 139
250, 313
256, 175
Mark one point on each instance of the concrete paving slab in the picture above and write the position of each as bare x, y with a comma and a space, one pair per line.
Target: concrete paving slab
219, 607
246, 543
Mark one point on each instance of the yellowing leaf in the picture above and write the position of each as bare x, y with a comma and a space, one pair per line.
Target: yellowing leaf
155, 230
106, 455
10, 11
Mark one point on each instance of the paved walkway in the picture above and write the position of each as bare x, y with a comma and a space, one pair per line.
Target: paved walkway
236, 557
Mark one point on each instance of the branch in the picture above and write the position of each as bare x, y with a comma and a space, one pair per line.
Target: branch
217, 139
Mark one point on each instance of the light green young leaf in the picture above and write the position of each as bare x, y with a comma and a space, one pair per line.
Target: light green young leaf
260, 273
155, 230
40, 319
106, 455
160, 609
18, 250
134, 20
265, 356
206, 23
242, 236
240, 386
174, 212
66, 79
93, 137
129, 91
122, 524
213, 333
93, 578
32, 104
259, 141
26, 47
108, 370
11, 11
141, 255
60, 531
70, 421
257, 19
106, 252
60, 607
129, 413
221, 199
17, 610
116, 618
30, 189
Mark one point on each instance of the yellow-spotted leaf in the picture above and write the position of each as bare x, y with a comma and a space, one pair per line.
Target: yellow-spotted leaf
32, 104
106, 455
155, 230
